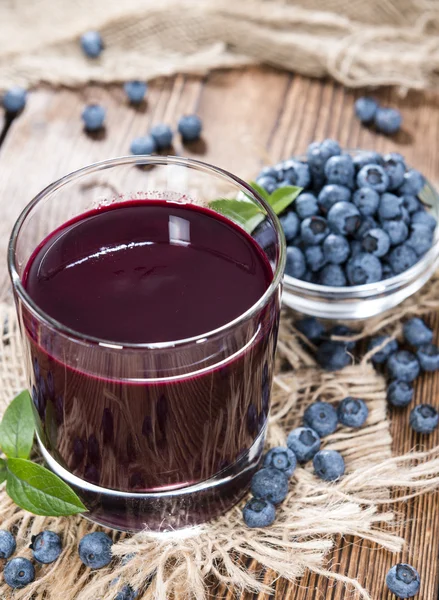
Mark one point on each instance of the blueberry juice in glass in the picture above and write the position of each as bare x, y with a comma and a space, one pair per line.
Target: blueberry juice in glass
149, 323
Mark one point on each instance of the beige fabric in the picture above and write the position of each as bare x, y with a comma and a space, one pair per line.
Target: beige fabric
313, 513
358, 42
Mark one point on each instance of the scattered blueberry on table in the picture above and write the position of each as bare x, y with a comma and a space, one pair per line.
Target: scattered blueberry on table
92, 44
328, 465
386, 120
135, 91
95, 549
46, 547
403, 365
304, 442
424, 418
143, 145
8, 544
400, 393
322, 417
189, 127
428, 357
14, 100
282, 459
403, 580
358, 220
270, 484
162, 135
126, 593
93, 116
259, 513
18, 573
352, 412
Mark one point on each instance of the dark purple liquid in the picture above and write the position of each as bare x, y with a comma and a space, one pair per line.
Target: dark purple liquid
143, 421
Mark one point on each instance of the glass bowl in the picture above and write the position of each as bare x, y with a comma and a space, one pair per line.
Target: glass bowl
365, 301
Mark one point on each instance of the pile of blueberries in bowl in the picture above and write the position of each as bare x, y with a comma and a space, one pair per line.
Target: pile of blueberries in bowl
361, 237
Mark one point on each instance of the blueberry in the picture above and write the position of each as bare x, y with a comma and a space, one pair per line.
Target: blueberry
403, 581
397, 231
377, 242
343, 331
363, 268
7, 544
46, 546
421, 217
390, 207
189, 127
304, 442
318, 153
92, 44
311, 328
352, 412
269, 184
356, 247
322, 417
394, 166
14, 100
411, 203
336, 249
403, 365
135, 90
340, 170
270, 484
400, 393
126, 593
93, 116
367, 223
163, 135
95, 549
328, 465
405, 215
310, 277
387, 271
296, 173
344, 218
314, 230
389, 348
365, 109
424, 418
315, 258
290, 224
282, 459
373, 176
333, 356
420, 239
18, 573
268, 172
306, 205
416, 332
388, 120
332, 275
295, 265
428, 356
259, 513
331, 194
413, 183
366, 157
366, 200
402, 258
143, 145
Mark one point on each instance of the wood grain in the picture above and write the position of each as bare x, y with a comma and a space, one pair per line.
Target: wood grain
251, 117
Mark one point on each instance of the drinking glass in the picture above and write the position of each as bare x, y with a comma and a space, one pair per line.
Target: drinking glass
149, 435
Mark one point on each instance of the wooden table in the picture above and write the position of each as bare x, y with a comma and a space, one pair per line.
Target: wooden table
251, 117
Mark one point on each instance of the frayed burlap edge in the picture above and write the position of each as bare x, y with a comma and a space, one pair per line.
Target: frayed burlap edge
314, 512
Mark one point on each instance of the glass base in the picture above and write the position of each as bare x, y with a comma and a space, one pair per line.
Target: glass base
167, 511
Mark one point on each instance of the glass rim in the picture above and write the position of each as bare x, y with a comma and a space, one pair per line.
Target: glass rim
141, 160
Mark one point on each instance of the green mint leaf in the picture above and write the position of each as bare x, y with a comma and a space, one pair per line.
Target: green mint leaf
245, 213
283, 197
41, 492
260, 190
3, 470
17, 427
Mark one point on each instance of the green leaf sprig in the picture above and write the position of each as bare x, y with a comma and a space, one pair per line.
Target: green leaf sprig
249, 215
31, 486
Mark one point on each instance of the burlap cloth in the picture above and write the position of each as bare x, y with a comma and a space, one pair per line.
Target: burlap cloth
314, 512
359, 42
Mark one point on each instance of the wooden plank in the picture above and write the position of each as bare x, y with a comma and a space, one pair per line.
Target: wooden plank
251, 117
